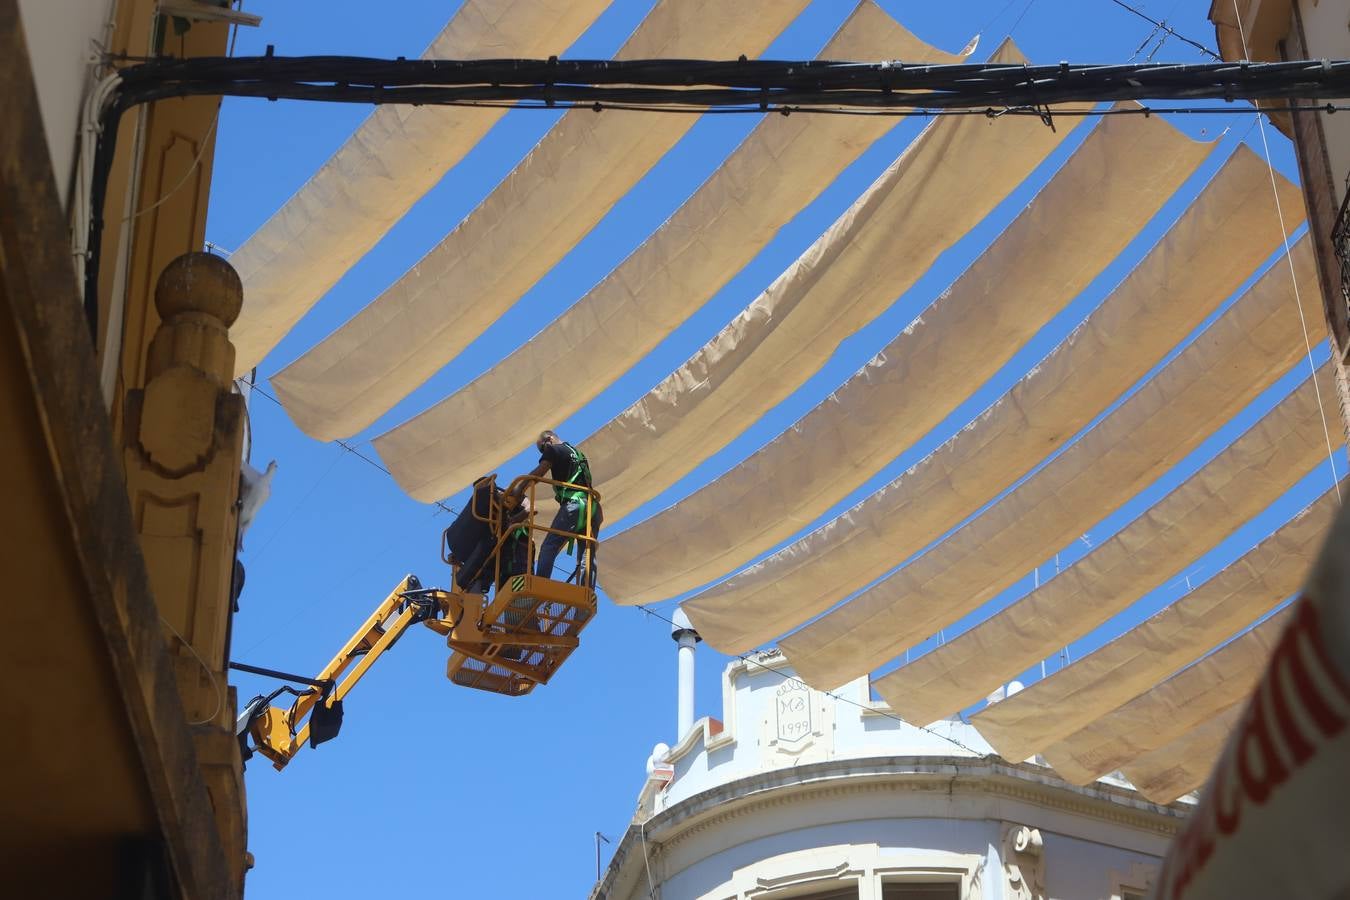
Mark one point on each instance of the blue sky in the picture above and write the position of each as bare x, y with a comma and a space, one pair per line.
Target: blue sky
434, 790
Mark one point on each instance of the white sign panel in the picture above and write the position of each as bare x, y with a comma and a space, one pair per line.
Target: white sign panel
1274, 819
793, 710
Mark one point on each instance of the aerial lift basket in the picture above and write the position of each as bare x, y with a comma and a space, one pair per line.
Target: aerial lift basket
506, 645
532, 624
528, 631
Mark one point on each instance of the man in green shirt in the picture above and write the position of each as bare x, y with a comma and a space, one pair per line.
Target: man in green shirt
564, 462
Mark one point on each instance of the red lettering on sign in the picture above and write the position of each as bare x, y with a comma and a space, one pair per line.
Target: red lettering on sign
1288, 663
1258, 763
1252, 768
1223, 792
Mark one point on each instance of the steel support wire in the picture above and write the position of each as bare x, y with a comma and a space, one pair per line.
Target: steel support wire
742, 85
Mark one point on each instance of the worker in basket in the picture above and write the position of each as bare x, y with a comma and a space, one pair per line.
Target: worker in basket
471, 540
516, 543
565, 463
491, 518
514, 559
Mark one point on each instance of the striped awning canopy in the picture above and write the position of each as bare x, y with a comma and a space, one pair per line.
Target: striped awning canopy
1119, 379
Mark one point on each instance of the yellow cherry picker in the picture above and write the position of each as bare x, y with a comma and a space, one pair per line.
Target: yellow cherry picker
507, 644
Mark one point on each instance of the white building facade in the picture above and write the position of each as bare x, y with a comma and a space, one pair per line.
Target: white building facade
801, 794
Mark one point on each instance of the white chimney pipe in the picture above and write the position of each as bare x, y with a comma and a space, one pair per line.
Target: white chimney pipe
684, 635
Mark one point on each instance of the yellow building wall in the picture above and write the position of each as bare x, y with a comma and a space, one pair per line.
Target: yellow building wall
121, 772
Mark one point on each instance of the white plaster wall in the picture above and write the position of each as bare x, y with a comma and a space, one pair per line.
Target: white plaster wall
868, 734
701, 769
860, 846
60, 36
864, 820
1326, 23
849, 732
1077, 869
719, 864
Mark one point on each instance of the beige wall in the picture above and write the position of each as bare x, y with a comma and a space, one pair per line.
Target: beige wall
1326, 26
1269, 30
73, 782
105, 775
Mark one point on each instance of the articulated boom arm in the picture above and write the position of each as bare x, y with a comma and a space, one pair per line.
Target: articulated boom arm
506, 645
279, 733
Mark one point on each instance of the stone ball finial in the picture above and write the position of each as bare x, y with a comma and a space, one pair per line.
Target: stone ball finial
200, 282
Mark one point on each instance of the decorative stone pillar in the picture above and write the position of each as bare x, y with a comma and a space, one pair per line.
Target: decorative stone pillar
183, 446
1023, 863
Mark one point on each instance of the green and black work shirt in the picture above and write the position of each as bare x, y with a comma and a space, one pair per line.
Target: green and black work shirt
566, 463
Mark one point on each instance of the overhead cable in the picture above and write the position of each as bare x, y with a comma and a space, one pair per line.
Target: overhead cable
741, 85
715, 83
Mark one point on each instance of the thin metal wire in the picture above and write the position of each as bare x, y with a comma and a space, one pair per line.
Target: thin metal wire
305, 607
345, 445
1165, 27
441, 507
215, 682
1000, 14
1030, 4
642, 833
1142, 44
1293, 275
206, 142
196, 161
255, 557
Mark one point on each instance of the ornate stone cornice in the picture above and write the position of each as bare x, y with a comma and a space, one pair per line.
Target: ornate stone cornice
954, 776
763, 792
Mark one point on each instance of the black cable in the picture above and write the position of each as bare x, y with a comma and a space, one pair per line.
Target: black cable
284, 676
750, 84
773, 76
987, 112
742, 85
708, 100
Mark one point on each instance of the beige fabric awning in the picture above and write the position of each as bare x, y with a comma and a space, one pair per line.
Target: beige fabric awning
396, 156
1184, 764
529, 222
1051, 710
1170, 415
944, 183
780, 167
1257, 469
1163, 714
1107, 191
1203, 258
